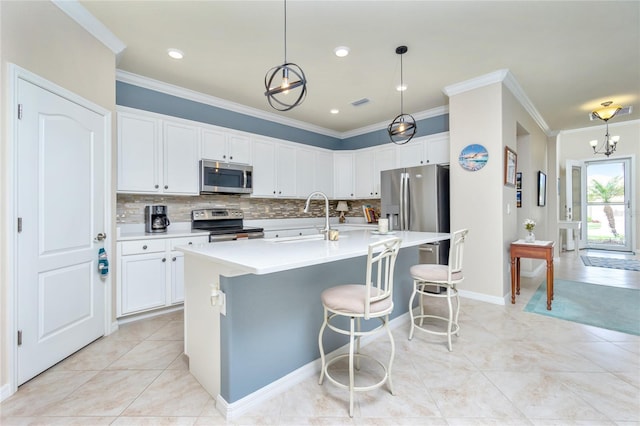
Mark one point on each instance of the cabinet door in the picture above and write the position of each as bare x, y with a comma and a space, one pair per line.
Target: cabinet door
410, 154
177, 278
214, 145
139, 154
239, 149
286, 171
383, 159
324, 173
438, 151
363, 164
305, 172
264, 176
343, 175
181, 156
143, 283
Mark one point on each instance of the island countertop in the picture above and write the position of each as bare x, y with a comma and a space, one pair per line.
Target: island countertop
269, 255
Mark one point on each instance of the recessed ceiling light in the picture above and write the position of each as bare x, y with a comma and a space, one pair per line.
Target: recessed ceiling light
401, 88
341, 51
334, 111
175, 53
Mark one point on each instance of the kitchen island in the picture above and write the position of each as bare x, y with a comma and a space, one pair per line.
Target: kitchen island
253, 310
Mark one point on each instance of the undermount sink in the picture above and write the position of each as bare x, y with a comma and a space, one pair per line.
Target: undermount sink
299, 238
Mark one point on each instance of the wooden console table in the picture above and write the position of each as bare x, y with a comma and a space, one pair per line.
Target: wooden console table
535, 250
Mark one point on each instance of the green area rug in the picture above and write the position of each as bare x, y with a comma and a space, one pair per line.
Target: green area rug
609, 262
603, 306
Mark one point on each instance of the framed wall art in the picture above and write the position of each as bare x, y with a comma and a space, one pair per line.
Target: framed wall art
542, 189
518, 199
519, 180
510, 164
473, 157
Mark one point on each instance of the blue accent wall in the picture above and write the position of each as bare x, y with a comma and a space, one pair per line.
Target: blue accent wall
141, 98
272, 322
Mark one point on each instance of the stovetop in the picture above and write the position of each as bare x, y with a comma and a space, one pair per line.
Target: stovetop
221, 221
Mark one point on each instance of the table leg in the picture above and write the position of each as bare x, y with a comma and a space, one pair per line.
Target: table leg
549, 283
513, 280
518, 276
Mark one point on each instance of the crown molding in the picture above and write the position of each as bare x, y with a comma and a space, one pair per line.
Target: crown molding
434, 112
92, 25
599, 127
501, 76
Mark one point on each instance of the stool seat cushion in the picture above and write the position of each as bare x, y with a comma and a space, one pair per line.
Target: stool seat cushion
350, 299
432, 272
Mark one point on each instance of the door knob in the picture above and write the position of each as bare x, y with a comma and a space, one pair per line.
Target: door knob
101, 236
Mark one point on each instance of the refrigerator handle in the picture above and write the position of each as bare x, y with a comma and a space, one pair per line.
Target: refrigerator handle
404, 202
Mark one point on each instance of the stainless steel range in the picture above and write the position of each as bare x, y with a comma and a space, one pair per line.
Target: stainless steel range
223, 224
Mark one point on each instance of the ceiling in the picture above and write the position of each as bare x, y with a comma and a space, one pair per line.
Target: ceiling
568, 57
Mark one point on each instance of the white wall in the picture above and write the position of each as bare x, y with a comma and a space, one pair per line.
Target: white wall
492, 116
40, 38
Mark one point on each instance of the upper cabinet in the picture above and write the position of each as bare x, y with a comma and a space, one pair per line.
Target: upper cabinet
157, 156
343, 181
225, 146
139, 153
368, 164
432, 149
274, 169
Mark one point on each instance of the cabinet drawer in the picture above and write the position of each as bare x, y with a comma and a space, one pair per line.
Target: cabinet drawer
175, 242
143, 246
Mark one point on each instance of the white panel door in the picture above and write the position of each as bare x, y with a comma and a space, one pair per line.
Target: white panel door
61, 200
181, 159
305, 172
144, 282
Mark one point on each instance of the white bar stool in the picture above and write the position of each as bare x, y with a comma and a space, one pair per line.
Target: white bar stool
371, 300
448, 276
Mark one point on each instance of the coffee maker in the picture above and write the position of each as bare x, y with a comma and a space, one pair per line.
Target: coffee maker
155, 219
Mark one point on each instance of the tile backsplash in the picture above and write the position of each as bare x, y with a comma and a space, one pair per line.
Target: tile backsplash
130, 207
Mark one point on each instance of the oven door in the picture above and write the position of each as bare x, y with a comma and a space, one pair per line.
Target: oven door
216, 177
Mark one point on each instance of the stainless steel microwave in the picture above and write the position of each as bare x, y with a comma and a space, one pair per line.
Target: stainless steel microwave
228, 178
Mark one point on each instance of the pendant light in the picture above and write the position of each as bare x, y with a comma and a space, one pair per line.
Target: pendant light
286, 84
403, 127
607, 112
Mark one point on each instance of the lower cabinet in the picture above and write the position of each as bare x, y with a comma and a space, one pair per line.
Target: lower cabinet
151, 273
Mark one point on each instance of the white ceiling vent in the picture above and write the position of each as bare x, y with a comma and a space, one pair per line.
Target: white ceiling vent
624, 111
360, 102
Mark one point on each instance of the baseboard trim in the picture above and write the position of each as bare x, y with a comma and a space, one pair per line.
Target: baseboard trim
236, 409
5, 392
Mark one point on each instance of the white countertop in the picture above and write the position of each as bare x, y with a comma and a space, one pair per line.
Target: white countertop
265, 256
130, 232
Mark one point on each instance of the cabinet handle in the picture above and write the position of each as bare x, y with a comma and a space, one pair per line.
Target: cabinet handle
144, 247
231, 157
164, 259
174, 259
224, 156
166, 187
157, 186
190, 243
274, 192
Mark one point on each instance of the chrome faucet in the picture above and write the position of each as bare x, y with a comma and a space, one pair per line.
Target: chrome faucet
326, 229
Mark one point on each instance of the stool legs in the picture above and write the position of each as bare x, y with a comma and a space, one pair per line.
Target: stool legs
451, 319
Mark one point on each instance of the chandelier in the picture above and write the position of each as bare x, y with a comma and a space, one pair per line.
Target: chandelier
289, 79
607, 112
403, 127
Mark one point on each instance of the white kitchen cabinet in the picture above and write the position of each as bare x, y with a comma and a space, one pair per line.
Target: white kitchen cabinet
157, 156
181, 145
368, 163
225, 146
139, 153
343, 183
305, 172
274, 169
323, 173
151, 273
432, 149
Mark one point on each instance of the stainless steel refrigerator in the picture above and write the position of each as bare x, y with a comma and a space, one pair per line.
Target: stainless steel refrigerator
417, 199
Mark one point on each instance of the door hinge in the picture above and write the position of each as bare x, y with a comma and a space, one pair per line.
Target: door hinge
19, 111
19, 224
19, 337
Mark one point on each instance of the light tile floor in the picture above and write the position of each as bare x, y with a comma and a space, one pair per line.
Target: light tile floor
508, 367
